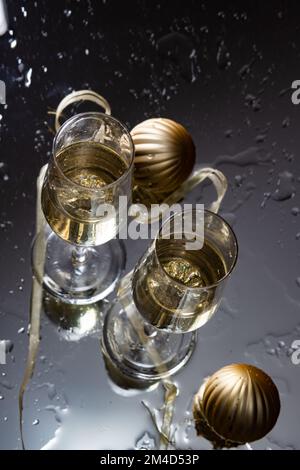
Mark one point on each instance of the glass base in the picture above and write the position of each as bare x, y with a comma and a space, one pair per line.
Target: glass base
139, 353
78, 279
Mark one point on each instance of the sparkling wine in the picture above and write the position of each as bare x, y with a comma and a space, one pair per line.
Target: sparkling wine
77, 187
159, 286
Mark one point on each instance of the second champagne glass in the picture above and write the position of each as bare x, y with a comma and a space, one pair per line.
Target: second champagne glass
175, 289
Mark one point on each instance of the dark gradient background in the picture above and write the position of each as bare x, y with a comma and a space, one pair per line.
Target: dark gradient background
222, 69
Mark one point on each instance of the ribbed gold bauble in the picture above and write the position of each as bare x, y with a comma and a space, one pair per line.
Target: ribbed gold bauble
164, 158
237, 404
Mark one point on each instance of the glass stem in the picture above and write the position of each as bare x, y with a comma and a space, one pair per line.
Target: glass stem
79, 256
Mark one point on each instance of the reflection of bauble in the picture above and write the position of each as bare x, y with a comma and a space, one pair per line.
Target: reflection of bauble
73, 321
237, 404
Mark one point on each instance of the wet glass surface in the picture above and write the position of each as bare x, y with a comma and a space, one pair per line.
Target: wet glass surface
223, 71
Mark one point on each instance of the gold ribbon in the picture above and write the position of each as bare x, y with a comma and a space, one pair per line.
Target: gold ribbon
35, 305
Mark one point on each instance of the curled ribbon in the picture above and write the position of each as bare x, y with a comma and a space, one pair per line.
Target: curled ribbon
81, 95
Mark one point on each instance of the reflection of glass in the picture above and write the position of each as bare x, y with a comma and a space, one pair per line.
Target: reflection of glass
74, 322
174, 290
90, 169
124, 385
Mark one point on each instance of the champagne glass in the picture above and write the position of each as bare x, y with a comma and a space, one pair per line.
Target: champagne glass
149, 333
90, 169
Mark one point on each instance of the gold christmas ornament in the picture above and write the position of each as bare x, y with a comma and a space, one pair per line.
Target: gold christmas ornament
164, 158
237, 404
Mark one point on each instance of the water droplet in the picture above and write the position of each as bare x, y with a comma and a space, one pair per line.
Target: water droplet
295, 211
245, 70
249, 156
6, 384
51, 389
228, 133
266, 197
1, 397
260, 138
35, 422
59, 413
13, 43
145, 442
252, 102
21, 330
285, 188
189, 428
238, 179
286, 122
298, 281
223, 56
28, 78
24, 11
